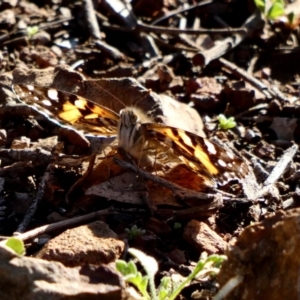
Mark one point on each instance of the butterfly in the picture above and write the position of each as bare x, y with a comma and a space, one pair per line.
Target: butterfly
136, 132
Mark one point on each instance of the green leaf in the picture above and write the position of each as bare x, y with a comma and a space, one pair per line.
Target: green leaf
32, 30
177, 225
226, 123
16, 244
291, 17
216, 259
144, 284
261, 5
150, 266
131, 275
276, 10
165, 288
126, 268
134, 232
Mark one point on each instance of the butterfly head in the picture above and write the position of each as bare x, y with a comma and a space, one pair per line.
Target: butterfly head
132, 134
128, 118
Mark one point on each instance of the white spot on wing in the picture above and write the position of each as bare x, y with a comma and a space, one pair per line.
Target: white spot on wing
47, 102
186, 139
230, 155
222, 163
52, 94
210, 147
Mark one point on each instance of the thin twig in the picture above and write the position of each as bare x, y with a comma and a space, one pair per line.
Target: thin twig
39, 196
204, 57
234, 69
40, 193
181, 10
91, 19
42, 26
112, 52
62, 224
175, 31
278, 170
281, 166
141, 27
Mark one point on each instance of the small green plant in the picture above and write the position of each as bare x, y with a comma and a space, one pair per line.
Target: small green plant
15, 244
226, 123
177, 225
134, 232
167, 290
272, 9
32, 30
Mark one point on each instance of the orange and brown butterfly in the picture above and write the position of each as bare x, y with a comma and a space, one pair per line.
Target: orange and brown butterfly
135, 131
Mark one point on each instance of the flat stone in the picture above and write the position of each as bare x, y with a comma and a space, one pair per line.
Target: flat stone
203, 238
94, 244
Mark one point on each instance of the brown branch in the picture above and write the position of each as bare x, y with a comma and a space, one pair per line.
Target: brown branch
234, 69
175, 31
268, 92
204, 57
61, 225
181, 10
91, 19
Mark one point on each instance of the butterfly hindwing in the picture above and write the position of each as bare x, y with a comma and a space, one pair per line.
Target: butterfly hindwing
213, 158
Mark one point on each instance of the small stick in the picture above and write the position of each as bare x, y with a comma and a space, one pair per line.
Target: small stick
278, 170
62, 224
39, 196
176, 31
112, 52
38, 154
234, 69
281, 166
40, 193
181, 10
91, 19
204, 57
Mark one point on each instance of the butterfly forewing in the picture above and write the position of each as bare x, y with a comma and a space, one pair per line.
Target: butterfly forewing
70, 109
214, 159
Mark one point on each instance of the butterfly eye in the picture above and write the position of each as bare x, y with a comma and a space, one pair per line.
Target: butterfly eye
133, 118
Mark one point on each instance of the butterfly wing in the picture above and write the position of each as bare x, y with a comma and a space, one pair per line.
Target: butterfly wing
69, 109
214, 159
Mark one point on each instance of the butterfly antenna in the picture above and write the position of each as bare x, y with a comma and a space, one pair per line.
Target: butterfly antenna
109, 93
147, 93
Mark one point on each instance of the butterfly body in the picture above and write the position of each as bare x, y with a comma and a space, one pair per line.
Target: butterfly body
136, 133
